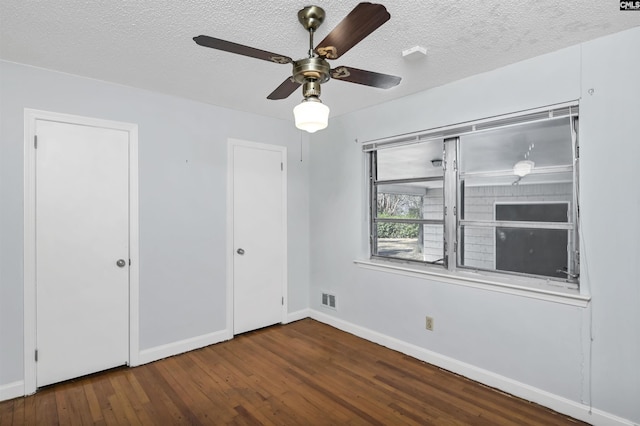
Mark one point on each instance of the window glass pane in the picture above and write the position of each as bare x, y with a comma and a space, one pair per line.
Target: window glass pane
410, 161
525, 250
433, 243
480, 195
546, 143
476, 246
420, 200
411, 241
394, 205
539, 212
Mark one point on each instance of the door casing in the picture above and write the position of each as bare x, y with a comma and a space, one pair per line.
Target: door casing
230, 222
31, 116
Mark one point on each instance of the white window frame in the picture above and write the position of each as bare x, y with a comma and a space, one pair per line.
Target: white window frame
452, 224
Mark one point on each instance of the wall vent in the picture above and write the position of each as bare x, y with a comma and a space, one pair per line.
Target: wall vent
329, 300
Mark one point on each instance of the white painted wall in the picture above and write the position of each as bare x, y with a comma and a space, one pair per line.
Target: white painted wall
610, 204
535, 343
182, 150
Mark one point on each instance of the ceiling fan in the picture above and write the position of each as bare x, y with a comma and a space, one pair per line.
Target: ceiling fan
310, 72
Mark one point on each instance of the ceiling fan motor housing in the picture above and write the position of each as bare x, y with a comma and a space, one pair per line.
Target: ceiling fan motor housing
311, 69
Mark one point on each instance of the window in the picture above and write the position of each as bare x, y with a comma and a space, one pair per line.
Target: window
496, 196
408, 210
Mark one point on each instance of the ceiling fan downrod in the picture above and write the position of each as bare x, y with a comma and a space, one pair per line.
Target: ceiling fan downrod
311, 55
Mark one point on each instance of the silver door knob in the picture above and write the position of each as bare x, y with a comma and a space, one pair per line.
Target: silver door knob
121, 263
240, 251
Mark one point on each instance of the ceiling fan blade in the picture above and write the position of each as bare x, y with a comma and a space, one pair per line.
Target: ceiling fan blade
227, 46
364, 19
368, 78
284, 90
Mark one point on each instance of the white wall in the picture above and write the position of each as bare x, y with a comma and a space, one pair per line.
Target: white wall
536, 347
610, 198
182, 151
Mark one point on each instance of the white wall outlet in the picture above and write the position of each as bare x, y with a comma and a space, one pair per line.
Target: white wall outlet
429, 323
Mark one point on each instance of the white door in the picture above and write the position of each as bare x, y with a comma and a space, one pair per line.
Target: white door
82, 230
259, 258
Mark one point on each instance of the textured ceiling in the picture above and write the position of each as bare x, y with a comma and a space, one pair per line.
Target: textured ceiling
148, 43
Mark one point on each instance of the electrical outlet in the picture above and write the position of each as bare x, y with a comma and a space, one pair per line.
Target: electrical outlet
429, 323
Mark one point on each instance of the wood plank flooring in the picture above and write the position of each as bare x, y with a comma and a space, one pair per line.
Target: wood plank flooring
304, 373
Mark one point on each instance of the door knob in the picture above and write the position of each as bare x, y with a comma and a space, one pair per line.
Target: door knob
240, 251
121, 263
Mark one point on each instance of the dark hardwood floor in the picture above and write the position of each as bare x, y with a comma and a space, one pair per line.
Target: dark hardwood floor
304, 373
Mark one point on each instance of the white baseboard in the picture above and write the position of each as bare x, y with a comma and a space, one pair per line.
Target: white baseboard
297, 316
175, 348
11, 390
560, 404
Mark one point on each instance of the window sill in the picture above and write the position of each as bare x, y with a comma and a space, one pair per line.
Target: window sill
518, 287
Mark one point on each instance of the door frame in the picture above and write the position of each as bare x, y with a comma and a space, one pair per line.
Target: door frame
231, 144
31, 116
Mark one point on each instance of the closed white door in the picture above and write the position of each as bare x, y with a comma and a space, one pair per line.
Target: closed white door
259, 262
82, 250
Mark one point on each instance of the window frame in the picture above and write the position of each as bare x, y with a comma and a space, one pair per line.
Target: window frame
374, 220
452, 202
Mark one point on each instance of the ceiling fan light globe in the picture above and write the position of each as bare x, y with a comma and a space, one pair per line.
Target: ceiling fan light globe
311, 115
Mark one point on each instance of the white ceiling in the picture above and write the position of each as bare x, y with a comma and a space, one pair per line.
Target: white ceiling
148, 43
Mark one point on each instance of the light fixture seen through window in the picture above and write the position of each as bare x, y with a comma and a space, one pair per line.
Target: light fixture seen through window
311, 114
523, 168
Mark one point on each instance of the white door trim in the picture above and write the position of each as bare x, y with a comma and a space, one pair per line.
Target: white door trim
30, 118
231, 143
